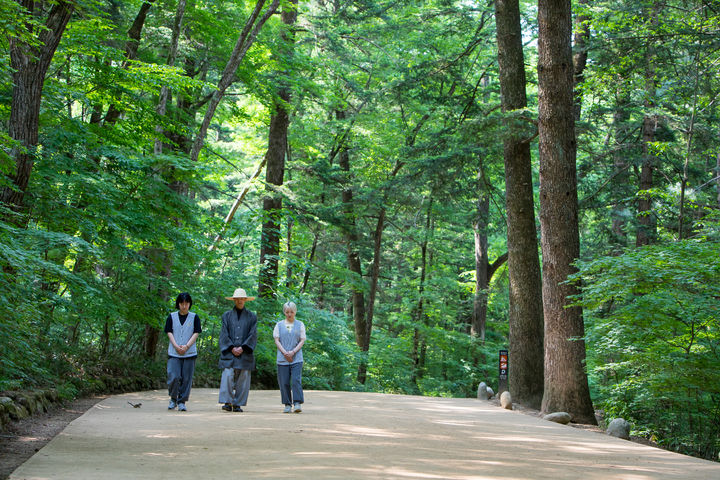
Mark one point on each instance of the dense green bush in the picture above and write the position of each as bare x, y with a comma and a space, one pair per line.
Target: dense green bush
654, 341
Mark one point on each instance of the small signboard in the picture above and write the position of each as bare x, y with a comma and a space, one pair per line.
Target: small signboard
503, 364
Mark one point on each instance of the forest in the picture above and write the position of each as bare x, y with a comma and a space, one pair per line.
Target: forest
429, 181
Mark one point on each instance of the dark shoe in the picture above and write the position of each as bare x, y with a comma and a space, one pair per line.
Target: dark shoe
227, 407
236, 408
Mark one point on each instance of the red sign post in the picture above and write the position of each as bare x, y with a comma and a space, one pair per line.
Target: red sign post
503, 364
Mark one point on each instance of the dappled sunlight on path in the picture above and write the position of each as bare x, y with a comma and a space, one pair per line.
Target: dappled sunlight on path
341, 435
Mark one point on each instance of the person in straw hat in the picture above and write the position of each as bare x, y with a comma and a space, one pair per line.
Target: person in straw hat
238, 338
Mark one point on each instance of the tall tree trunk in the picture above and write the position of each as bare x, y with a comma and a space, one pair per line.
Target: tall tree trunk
484, 271
566, 385
646, 230
688, 152
418, 314
277, 150
105, 339
363, 316
482, 265
30, 64
618, 214
526, 304
272, 204
372, 294
161, 259
353, 255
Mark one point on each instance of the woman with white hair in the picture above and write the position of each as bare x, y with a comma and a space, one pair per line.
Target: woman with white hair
290, 337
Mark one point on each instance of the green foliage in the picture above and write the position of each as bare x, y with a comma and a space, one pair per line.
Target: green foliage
115, 230
654, 336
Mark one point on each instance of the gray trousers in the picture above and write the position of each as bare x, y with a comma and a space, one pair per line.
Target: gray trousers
234, 386
290, 383
179, 377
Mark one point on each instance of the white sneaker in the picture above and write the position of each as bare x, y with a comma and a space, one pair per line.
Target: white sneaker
298, 408
287, 409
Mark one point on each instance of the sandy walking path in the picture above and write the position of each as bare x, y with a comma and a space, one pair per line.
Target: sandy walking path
340, 435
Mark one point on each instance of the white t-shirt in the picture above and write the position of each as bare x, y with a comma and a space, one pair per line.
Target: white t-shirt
289, 327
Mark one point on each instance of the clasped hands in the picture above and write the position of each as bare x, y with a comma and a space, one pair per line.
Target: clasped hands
182, 349
237, 351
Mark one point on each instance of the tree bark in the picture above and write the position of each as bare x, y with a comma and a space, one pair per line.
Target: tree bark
566, 385
526, 304
30, 64
275, 173
353, 254
647, 228
482, 265
618, 214
419, 313
272, 203
688, 152
372, 294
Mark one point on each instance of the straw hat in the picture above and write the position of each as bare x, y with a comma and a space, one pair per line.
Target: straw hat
240, 293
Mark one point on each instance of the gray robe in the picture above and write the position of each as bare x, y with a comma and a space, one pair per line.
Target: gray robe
238, 332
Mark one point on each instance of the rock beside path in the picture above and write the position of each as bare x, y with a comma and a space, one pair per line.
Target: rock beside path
558, 417
620, 428
484, 392
506, 400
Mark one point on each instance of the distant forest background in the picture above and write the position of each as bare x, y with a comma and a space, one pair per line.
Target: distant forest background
430, 182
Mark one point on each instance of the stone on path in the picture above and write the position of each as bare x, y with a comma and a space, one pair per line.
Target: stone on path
482, 393
558, 417
506, 400
490, 392
620, 428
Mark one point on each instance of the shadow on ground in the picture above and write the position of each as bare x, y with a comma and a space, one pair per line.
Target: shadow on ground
341, 435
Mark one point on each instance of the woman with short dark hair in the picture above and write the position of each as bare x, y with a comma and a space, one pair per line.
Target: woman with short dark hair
182, 328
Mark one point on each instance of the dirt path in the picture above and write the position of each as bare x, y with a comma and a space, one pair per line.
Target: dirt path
340, 435
24, 438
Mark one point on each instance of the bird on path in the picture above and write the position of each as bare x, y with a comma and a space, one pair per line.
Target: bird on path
135, 405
